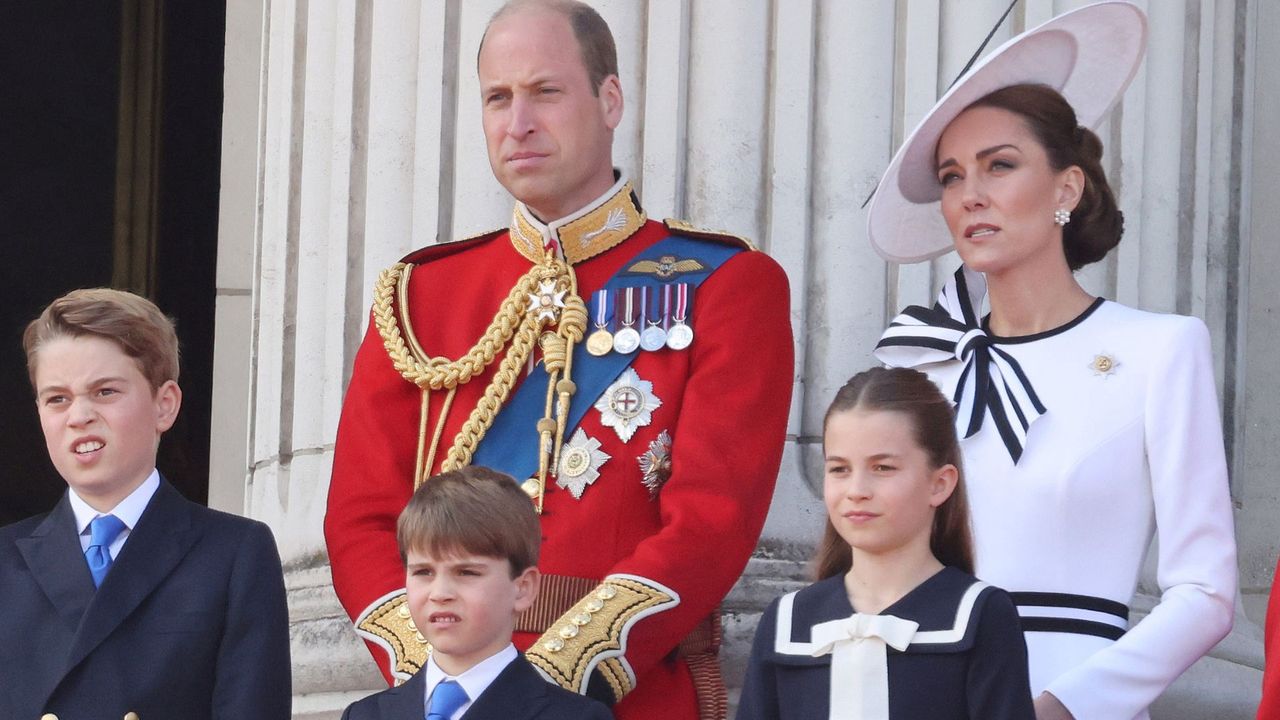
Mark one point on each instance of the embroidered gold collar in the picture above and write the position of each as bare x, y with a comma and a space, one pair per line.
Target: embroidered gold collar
612, 218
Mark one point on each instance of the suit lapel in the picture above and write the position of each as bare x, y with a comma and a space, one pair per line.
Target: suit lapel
163, 536
406, 701
518, 692
54, 558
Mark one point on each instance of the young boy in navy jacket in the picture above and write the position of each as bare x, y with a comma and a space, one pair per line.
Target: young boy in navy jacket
469, 539
127, 600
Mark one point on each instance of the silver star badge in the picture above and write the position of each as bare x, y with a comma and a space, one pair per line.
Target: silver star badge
580, 463
547, 301
627, 404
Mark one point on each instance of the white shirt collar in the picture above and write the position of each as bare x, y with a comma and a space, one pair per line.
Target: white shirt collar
127, 510
474, 681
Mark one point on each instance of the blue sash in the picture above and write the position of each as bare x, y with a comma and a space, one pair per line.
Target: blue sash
511, 444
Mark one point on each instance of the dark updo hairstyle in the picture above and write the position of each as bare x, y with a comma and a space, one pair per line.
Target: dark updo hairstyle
1096, 223
912, 394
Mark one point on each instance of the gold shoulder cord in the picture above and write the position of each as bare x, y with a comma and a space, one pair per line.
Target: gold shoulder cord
520, 321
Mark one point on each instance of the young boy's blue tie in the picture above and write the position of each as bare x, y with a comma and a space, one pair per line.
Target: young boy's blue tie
445, 700
103, 531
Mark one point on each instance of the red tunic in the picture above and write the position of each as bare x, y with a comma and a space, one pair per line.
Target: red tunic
1270, 707
724, 402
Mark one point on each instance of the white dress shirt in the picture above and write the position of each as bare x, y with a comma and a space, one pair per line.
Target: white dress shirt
127, 511
474, 681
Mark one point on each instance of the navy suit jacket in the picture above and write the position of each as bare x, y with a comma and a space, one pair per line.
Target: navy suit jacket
190, 622
518, 693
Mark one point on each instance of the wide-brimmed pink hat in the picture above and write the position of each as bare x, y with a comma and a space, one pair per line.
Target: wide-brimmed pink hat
1089, 55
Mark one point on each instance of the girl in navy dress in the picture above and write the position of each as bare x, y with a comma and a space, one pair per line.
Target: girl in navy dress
897, 627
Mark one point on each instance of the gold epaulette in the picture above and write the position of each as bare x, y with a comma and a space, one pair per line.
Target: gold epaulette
683, 227
593, 634
387, 623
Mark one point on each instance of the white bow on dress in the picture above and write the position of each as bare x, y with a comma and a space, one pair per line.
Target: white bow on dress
859, 661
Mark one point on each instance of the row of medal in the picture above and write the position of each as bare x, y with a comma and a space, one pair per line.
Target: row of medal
640, 318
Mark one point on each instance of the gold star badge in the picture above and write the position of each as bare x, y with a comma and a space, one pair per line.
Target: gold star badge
1104, 364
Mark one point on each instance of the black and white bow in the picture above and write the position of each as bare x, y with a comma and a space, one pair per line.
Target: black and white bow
991, 379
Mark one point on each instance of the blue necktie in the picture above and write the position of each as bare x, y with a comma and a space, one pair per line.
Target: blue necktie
102, 532
445, 701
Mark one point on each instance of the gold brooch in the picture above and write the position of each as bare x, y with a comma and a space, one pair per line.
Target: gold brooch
1104, 364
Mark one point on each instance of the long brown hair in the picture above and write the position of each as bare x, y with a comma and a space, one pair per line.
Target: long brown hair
914, 395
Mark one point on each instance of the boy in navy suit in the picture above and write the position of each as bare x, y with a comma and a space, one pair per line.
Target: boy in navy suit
127, 600
469, 539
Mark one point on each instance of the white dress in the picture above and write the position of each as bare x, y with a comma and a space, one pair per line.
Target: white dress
1129, 444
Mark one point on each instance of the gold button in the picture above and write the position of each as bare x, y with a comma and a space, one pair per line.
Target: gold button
131, 716
569, 632
580, 619
607, 592
48, 716
403, 611
594, 605
554, 645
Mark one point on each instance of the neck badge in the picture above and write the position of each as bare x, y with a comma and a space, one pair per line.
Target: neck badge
548, 301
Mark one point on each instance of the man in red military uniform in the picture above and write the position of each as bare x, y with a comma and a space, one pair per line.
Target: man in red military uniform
634, 375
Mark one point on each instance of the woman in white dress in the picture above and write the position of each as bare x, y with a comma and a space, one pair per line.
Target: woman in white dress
1087, 426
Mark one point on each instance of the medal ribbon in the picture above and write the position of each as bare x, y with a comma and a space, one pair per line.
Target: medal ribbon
992, 381
666, 306
682, 303
653, 306
644, 306
628, 302
604, 313
859, 647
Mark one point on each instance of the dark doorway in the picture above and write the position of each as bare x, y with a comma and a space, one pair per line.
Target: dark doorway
109, 172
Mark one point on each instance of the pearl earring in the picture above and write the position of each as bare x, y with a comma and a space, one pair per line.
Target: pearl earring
1061, 217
